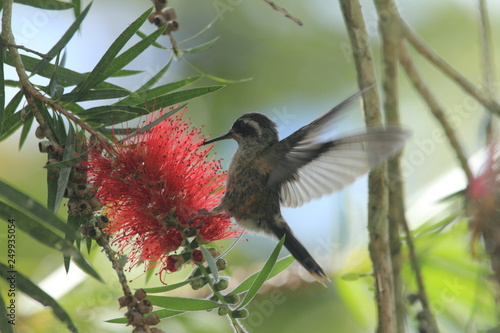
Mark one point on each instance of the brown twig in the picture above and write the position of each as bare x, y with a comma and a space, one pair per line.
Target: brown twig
453, 74
390, 32
283, 11
378, 228
41, 55
436, 110
488, 63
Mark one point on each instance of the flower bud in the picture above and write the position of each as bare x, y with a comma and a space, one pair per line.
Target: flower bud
197, 256
223, 310
232, 299
221, 264
39, 133
198, 283
242, 313
213, 251
222, 284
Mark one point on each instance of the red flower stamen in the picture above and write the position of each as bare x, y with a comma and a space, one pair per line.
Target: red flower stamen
152, 185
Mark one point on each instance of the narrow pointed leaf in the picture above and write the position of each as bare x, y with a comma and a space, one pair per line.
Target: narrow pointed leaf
31, 207
279, 267
77, 7
5, 326
25, 285
162, 289
263, 275
163, 313
69, 162
63, 41
142, 95
97, 74
46, 4
66, 77
181, 96
26, 129
182, 303
93, 95
126, 57
211, 263
201, 48
62, 182
38, 231
155, 44
2, 86
11, 125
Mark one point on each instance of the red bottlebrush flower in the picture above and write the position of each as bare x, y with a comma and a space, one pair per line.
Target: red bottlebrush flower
152, 185
484, 200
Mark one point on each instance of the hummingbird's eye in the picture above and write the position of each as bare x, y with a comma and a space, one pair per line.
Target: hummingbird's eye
243, 128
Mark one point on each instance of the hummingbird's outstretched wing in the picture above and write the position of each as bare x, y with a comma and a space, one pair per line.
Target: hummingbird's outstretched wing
307, 168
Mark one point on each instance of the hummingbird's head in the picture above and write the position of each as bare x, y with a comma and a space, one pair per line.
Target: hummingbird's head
251, 129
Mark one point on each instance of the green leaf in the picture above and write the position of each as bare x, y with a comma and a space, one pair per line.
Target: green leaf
163, 313
112, 114
26, 129
36, 229
66, 77
162, 289
181, 96
77, 7
93, 95
211, 263
32, 208
182, 303
29, 288
2, 87
62, 182
5, 326
10, 109
74, 223
279, 267
97, 74
263, 275
155, 44
69, 162
145, 94
46, 4
126, 57
202, 47
353, 276
62, 41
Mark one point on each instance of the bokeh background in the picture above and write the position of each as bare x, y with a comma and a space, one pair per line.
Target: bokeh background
295, 74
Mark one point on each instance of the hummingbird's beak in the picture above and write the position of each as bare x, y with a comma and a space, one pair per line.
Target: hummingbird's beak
228, 135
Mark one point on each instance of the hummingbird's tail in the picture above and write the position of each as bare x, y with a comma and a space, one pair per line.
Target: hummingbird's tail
299, 252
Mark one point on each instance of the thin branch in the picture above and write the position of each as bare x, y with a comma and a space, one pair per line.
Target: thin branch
436, 110
41, 55
284, 12
378, 226
390, 32
442, 65
9, 41
488, 63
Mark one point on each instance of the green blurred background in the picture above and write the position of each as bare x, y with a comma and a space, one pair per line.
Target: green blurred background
297, 73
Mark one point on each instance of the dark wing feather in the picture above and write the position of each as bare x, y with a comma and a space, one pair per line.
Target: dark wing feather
307, 137
323, 169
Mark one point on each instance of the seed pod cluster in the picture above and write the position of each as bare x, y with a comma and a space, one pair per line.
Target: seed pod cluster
163, 15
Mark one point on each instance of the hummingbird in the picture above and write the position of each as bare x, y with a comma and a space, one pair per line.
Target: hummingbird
266, 173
